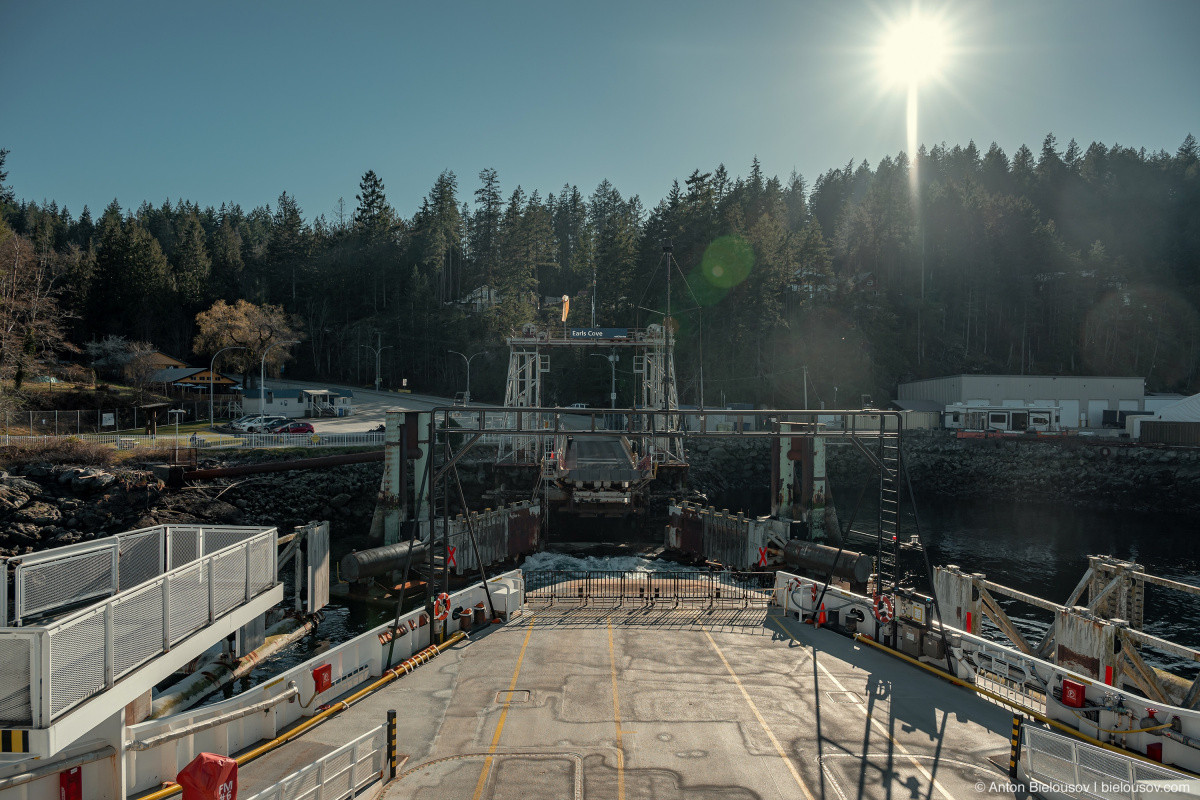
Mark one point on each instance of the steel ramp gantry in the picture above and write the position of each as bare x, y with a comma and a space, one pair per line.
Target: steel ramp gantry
94, 646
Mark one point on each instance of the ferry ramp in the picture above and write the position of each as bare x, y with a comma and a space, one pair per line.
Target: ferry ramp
711, 699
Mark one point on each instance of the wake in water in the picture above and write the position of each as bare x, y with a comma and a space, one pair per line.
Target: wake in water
559, 562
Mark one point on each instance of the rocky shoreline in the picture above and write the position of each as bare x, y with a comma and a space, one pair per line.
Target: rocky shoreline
45, 505
49, 505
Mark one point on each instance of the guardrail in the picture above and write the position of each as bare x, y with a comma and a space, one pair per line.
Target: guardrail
350, 664
1105, 713
214, 441
684, 588
1064, 767
341, 774
62, 578
48, 669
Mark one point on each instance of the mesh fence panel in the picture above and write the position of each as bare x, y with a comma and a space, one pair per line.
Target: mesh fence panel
76, 661
1146, 772
302, 785
229, 580
67, 580
260, 564
137, 629
371, 757
189, 601
15, 706
337, 774
185, 545
219, 538
140, 558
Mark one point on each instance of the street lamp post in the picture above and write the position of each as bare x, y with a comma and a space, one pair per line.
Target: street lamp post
467, 395
377, 351
176, 413
212, 379
262, 378
612, 363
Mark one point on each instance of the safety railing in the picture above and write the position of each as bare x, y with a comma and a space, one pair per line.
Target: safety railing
1005, 675
348, 666
62, 578
46, 670
339, 775
1059, 766
684, 588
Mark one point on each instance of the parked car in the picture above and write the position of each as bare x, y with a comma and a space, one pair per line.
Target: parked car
294, 426
266, 424
243, 420
259, 424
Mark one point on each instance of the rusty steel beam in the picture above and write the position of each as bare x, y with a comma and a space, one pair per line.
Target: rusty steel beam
1022, 596
283, 466
997, 615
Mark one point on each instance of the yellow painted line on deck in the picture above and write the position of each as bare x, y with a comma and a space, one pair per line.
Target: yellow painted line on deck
770, 734
487, 762
879, 726
612, 660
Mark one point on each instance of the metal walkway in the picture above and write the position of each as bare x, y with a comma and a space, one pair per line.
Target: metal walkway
94, 626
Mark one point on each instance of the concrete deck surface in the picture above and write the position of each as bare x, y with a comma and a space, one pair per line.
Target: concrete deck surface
735, 704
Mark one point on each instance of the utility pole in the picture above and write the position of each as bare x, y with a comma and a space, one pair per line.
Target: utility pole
806, 385
377, 351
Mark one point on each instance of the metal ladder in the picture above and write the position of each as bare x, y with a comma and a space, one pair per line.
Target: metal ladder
887, 567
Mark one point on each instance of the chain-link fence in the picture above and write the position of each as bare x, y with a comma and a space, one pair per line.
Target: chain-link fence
109, 419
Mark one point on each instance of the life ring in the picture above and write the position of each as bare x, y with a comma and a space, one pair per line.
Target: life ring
441, 606
883, 609
814, 594
1105, 452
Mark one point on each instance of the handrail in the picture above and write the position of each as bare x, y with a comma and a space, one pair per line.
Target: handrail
338, 707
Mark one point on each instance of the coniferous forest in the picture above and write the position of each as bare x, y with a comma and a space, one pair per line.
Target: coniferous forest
1065, 261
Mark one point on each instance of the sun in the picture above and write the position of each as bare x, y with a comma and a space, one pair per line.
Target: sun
913, 50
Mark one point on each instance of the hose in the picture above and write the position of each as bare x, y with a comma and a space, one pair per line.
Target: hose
388, 676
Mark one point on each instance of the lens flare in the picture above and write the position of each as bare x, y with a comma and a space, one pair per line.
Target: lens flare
726, 262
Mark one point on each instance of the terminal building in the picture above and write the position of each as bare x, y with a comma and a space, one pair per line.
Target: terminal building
1076, 401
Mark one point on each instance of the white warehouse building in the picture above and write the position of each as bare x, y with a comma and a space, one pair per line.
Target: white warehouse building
1081, 400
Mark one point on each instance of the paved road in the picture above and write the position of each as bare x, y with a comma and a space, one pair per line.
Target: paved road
613, 703
369, 405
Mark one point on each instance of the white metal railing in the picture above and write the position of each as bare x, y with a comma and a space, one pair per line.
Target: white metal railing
338, 775
1059, 766
1029, 682
49, 669
352, 663
64, 577
212, 441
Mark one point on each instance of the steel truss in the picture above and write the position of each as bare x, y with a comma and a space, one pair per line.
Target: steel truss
529, 359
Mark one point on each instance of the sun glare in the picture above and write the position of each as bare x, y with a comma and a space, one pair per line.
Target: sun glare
913, 50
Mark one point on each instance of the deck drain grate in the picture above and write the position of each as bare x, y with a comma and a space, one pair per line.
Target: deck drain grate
850, 698
514, 696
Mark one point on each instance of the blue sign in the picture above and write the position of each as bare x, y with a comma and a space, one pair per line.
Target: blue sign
599, 333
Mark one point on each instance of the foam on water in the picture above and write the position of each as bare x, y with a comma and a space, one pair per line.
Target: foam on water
561, 561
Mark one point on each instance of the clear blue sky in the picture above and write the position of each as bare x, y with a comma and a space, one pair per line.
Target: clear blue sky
239, 101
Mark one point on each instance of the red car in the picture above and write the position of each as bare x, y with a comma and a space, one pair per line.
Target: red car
294, 427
